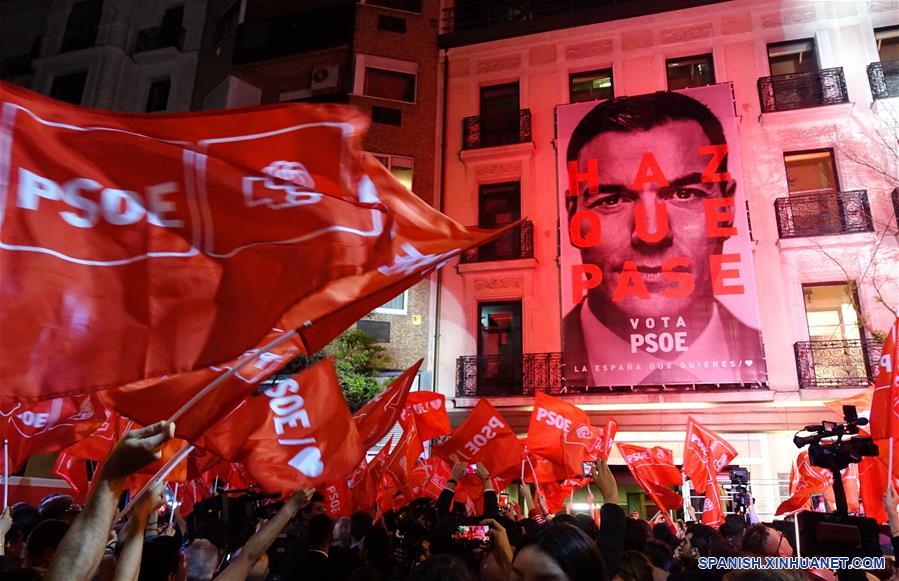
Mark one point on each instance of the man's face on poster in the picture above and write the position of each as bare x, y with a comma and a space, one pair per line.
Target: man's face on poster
675, 146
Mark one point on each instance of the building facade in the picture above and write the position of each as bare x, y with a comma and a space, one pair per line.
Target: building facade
378, 55
135, 57
813, 87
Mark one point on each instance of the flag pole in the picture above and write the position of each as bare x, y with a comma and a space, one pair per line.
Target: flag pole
6, 473
237, 367
686, 495
158, 477
890, 463
796, 528
174, 505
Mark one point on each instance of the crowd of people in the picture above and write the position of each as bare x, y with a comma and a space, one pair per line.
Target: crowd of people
426, 540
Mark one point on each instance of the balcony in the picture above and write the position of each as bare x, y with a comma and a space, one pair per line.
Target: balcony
158, 37
478, 133
803, 90
843, 363
289, 35
508, 375
884, 79
823, 213
514, 244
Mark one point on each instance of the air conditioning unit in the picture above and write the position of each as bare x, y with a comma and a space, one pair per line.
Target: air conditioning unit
325, 77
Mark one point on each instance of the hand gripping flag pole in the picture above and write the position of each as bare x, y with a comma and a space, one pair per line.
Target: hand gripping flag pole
187, 449
6, 473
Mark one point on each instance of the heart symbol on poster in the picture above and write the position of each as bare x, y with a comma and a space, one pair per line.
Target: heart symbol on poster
748, 362
308, 461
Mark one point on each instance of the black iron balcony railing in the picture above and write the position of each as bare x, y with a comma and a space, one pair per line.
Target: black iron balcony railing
895, 196
160, 37
801, 90
508, 375
823, 213
516, 243
884, 79
478, 131
844, 363
78, 39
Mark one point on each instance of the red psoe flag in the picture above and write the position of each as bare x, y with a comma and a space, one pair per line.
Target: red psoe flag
73, 470
375, 418
885, 402
338, 499
295, 434
48, 426
485, 437
158, 399
805, 480
655, 472
705, 455
428, 410
403, 458
131, 251
551, 421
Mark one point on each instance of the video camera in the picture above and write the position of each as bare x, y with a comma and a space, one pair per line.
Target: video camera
838, 534
739, 489
837, 454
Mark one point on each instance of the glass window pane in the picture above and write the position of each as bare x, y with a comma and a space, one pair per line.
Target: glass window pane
798, 56
810, 172
887, 43
591, 86
389, 84
692, 71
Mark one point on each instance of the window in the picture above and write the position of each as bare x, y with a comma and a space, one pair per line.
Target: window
391, 23
400, 166
69, 88
795, 56
499, 114
386, 116
690, 71
226, 22
498, 205
404, 5
811, 172
887, 43
377, 330
499, 346
171, 30
830, 312
82, 25
590, 86
385, 84
385, 78
158, 95
395, 306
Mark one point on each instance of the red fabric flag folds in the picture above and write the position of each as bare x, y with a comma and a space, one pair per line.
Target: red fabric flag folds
375, 418
885, 402
484, 437
132, 251
705, 455
428, 410
297, 433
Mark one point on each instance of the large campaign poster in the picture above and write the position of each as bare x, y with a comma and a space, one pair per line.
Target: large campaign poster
656, 259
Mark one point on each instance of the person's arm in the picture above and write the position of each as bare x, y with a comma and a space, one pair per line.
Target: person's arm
491, 502
502, 549
259, 543
81, 549
611, 518
5, 525
528, 498
890, 501
128, 565
751, 515
445, 500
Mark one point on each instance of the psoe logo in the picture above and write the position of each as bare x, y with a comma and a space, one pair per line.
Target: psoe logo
284, 184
